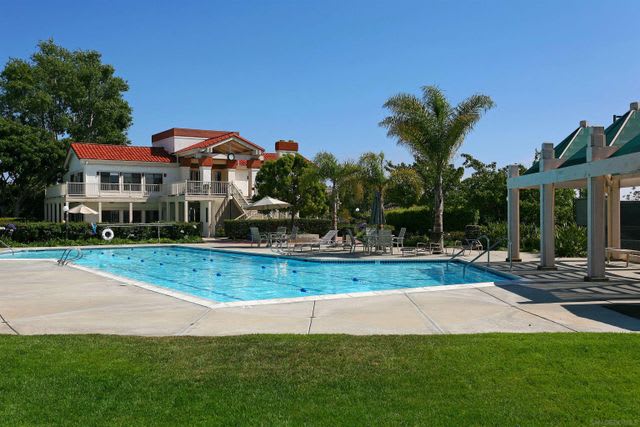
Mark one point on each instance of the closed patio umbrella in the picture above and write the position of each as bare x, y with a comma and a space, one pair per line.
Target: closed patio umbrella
82, 209
377, 210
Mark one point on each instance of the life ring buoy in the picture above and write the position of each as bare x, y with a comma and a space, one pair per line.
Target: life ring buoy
107, 234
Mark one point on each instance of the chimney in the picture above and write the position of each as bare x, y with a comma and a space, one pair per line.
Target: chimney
583, 123
284, 147
635, 106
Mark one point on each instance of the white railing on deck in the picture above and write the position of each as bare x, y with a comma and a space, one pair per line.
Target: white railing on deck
200, 188
83, 189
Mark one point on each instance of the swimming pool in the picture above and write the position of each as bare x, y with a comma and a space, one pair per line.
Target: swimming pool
225, 276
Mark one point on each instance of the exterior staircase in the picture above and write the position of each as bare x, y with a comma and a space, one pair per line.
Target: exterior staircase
241, 202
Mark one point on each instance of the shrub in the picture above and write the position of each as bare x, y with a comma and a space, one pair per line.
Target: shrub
571, 240
419, 219
238, 229
29, 232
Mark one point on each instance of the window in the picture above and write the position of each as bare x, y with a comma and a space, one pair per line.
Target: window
137, 217
152, 216
153, 178
111, 216
194, 175
217, 176
109, 181
132, 181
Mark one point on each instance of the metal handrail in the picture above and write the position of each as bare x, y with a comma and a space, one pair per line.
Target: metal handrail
8, 247
463, 250
64, 258
487, 251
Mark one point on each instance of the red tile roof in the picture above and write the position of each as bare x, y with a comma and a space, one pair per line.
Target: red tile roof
211, 141
121, 153
270, 156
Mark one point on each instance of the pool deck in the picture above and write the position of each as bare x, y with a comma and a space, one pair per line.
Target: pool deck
38, 297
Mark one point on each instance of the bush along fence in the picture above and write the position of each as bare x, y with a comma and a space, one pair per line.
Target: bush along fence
30, 232
238, 229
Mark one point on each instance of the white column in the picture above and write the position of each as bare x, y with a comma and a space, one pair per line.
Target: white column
513, 215
143, 216
99, 211
595, 211
186, 211
176, 210
203, 219
547, 220
130, 212
613, 217
209, 217
167, 213
120, 216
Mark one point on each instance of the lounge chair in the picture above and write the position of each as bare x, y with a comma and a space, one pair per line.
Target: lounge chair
257, 237
370, 239
328, 241
435, 243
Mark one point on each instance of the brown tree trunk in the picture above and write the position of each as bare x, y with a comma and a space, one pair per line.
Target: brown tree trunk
438, 207
334, 219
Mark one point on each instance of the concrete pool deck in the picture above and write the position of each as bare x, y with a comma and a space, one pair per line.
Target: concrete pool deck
38, 297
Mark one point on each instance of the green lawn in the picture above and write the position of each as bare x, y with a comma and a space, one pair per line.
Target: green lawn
499, 379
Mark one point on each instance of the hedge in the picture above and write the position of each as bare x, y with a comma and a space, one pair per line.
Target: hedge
419, 219
238, 229
28, 232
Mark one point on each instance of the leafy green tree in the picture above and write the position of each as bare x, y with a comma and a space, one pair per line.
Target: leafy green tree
337, 174
295, 180
55, 97
434, 131
30, 159
70, 94
404, 188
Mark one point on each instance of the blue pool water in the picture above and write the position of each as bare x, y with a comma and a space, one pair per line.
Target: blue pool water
227, 277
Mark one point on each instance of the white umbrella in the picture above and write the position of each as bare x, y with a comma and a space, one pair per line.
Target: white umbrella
268, 204
82, 209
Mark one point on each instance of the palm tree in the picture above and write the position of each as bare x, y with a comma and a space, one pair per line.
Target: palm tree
337, 174
434, 131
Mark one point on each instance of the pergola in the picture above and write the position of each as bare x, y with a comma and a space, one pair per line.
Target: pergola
601, 160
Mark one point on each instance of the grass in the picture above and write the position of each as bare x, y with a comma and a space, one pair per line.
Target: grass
497, 379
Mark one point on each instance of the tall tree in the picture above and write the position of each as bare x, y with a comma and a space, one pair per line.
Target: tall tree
404, 188
52, 98
30, 159
295, 180
70, 94
337, 174
433, 130
373, 172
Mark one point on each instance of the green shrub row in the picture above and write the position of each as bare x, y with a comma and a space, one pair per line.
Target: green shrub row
238, 229
29, 232
419, 219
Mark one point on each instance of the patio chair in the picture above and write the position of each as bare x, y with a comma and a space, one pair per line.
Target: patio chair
257, 237
398, 241
370, 239
385, 240
350, 242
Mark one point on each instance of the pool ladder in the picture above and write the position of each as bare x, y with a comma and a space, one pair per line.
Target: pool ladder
8, 247
66, 256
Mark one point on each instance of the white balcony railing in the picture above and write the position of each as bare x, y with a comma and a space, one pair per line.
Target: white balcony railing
84, 190
132, 190
200, 188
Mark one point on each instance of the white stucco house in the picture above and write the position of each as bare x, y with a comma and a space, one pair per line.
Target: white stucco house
185, 175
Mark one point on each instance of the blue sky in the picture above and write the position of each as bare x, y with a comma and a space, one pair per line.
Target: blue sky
319, 72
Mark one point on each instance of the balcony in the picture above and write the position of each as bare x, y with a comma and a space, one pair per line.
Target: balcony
95, 190
82, 190
200, 188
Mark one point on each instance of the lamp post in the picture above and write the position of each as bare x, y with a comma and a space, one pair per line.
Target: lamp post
65, 209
